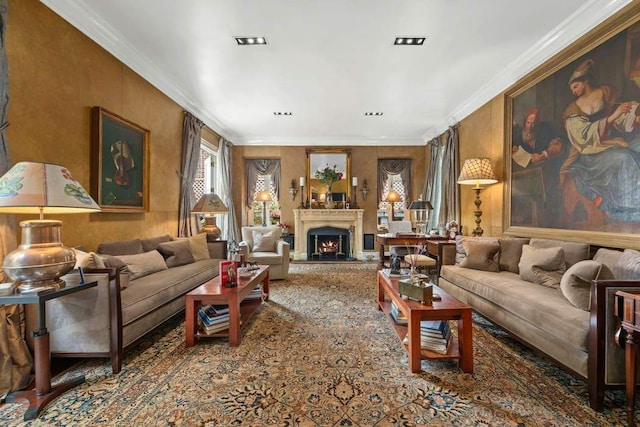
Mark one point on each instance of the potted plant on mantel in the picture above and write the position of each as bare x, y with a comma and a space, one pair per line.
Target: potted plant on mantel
328, 175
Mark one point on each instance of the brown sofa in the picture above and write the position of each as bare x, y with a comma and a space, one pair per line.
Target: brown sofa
575, 331
141, 284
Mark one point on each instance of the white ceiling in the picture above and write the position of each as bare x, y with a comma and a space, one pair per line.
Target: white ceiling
330, 61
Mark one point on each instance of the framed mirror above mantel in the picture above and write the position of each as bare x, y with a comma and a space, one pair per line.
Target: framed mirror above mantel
336, 160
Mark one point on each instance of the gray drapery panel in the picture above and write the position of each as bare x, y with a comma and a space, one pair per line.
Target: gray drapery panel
230, 231
400, 167
191, 136
16, 361
266, 167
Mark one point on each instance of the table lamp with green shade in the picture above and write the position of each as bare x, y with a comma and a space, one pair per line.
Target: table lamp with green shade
38, 188
209, 205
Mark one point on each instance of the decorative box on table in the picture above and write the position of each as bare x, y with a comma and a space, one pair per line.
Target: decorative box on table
417, 288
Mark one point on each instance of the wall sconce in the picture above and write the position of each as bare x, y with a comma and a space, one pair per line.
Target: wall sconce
292, 189
364, 190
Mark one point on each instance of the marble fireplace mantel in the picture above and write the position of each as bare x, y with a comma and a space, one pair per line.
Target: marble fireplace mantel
306, 219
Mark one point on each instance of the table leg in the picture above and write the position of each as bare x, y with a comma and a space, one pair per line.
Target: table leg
465, 341
414, 348
381, 258
265, 286
234, 320
190, 321
630, 365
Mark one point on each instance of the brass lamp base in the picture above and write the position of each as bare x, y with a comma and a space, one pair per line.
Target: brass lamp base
210, 227
41, 259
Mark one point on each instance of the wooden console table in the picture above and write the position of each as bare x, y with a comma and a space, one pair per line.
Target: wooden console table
43, 393
627, 308
389, 239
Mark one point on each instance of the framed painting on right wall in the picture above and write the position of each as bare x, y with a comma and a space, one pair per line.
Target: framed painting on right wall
572, 131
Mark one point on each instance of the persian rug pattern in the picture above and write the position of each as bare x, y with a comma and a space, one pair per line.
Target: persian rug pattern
320, 353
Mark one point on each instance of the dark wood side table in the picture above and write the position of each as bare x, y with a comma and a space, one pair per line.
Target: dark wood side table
43, 393
627, 308
436, 249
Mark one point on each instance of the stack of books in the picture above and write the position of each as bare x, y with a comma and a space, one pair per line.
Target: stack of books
256, 293
397, 315
213, 318
435, 335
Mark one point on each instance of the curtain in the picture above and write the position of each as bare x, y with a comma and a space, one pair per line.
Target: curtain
266, 167
441, 186
191, 136
16, 361
230, 231
400, 167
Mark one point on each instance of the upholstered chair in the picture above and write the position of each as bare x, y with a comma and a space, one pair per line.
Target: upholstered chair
263, 245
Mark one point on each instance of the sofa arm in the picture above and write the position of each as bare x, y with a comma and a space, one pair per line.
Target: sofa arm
606, 365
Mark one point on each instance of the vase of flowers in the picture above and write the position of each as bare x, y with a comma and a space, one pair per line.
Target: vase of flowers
328, 175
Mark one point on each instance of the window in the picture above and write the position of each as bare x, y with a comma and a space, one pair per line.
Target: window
263, 175
207, 179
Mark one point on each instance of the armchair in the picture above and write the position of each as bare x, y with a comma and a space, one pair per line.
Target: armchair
264, 246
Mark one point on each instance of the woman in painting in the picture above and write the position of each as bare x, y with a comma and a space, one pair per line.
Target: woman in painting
604, 159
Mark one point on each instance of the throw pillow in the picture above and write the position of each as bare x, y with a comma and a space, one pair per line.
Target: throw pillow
177, 252
460, 252
480, 256
544, 266
573, 251
575, 284
151, 243
264, 242
143, 264
199, 247
510, 253
87, 259
628, 266
608, 257
122, 247
111, 261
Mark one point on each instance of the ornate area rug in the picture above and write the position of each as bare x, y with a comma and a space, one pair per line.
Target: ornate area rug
319, 353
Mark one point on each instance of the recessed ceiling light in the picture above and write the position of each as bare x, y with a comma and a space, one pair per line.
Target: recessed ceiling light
244, 41
282, 113
373, 113
411, 41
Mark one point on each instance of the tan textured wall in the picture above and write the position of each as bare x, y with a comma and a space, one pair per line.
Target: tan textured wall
56, 74
364, 165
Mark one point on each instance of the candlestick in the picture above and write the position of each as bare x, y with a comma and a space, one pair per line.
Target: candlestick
354, 181
301, 206
302, 181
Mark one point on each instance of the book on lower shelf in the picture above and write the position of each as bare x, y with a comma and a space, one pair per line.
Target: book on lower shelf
216, 327
397, 315
435, 335
255, 294
213, 318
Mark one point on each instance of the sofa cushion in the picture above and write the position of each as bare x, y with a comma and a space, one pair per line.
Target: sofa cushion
542, 307
576, 282
628, 266
199, 248
122, 247
544, 266
510, 253
140, 265
480, 256
573, 251
151, 243
264, 242
460, 253
87, 259
608, 257
177, 252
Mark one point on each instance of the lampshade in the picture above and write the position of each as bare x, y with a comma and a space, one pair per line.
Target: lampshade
393, 197
420, 205
263, 196
477, 171
31, 187
209, 203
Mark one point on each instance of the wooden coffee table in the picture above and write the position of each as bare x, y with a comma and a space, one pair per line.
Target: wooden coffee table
212, 292
448, 308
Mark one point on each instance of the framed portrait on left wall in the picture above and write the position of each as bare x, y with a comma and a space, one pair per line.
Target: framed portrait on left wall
119, 163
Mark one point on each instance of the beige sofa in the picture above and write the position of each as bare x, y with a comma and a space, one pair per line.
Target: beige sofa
141, 284
572, 321
263, 245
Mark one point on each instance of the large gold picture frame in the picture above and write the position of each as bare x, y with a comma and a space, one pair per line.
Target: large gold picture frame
573, 137
119, 163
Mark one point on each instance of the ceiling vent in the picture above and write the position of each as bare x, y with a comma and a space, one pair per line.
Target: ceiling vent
249, 41
409, 41
373, 113
282, 113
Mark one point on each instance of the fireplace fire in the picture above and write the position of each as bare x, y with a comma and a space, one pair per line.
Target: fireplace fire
329, 246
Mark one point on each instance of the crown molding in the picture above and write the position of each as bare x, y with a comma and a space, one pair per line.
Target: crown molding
568, 31
378, 141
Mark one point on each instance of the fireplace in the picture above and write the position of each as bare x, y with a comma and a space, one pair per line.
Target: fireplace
315, 219
328, 244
